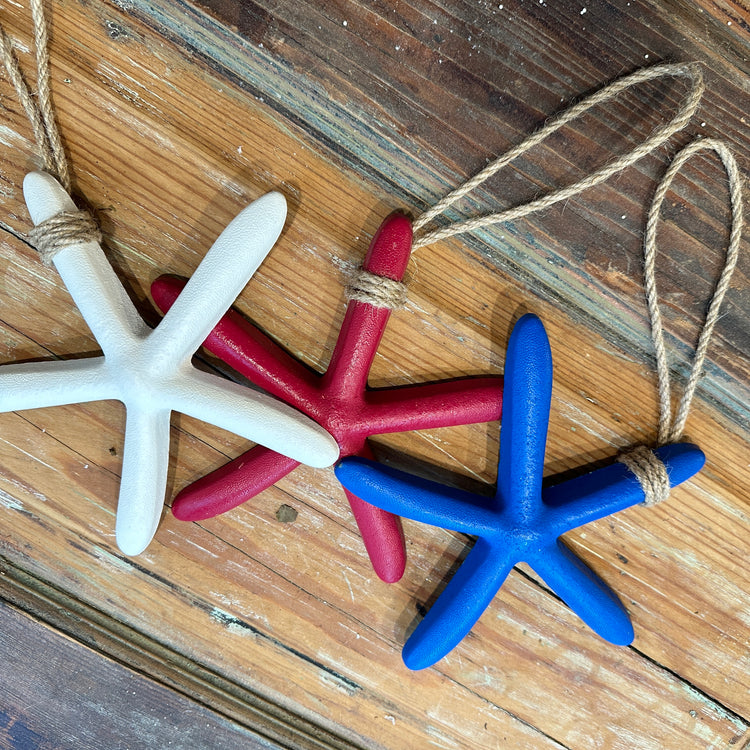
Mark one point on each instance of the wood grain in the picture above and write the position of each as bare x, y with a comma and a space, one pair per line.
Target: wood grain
175, 116
60, 688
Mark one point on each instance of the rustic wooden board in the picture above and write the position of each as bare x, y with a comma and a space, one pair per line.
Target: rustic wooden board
174, 119
429, 92
57, 694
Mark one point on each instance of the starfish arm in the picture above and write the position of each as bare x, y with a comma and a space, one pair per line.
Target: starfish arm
381, 533
421, 407
364, 323
584, 592
33, 385
526, 403
460, 605
86, 272
144, 477
232, 484
252, 415
220, 277
612, 488
356, 346
236, 341
383, 538
413, 497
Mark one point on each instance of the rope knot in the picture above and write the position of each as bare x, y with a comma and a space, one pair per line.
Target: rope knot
62, 230
650, 471
376, 290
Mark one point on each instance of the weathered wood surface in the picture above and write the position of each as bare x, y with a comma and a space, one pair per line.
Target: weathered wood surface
428, 93
174, 119
58, 694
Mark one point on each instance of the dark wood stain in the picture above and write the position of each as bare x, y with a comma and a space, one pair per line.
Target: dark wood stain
428, 80
56, 693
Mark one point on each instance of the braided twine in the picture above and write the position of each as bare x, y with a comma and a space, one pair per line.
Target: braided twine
364, 289
649, 469
67, 228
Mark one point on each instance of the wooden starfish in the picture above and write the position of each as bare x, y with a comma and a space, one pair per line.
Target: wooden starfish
522, 522
150, 371
339, 400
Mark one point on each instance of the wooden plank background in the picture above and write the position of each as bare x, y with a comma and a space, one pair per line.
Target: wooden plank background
57, 681
175, 115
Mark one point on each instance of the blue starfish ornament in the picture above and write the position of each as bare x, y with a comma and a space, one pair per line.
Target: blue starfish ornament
523, 522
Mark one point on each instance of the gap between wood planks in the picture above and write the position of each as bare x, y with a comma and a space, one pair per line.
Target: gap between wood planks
137, 651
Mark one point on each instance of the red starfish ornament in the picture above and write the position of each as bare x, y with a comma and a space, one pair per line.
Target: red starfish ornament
339, 400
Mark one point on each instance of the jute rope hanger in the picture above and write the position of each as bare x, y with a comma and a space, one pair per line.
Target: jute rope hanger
383, 292
69, 227
642, 461
660, 135
670, 433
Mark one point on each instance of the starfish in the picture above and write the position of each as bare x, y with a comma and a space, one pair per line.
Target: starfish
523, 521
150, 371
339, 400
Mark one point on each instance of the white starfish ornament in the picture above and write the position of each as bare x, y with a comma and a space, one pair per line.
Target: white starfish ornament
151, 371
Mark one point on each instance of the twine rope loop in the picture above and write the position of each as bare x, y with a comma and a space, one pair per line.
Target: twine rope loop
376, 290
642, 461
660, 135
67, 228
61, 231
